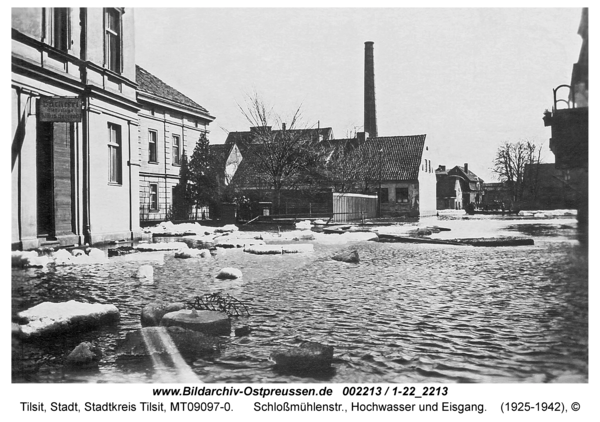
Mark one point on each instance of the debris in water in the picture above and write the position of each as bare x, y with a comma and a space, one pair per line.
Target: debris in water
218, 302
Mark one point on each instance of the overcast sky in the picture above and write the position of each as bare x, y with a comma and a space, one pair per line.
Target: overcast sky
469, 79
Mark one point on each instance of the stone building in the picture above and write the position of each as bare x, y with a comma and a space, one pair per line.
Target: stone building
75, 156
95, 138
170, 125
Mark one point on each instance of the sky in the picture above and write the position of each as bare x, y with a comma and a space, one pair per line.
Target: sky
469, 78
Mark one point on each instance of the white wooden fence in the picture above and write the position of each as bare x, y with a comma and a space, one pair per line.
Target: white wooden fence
353, 206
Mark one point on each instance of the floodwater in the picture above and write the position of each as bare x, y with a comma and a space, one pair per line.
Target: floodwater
407, 313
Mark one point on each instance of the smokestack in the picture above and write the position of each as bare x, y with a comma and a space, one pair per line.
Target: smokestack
467, 168
370, 114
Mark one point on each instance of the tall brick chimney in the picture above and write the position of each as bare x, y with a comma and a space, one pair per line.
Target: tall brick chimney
370, 125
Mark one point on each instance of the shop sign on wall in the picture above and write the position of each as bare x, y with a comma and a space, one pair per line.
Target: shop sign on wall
60, 109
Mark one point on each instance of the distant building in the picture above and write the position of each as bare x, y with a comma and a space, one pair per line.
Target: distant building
239, 159
75, 173
458, 187
247, 137
240, 153
170, 125
448, 190
497, 193
400, 170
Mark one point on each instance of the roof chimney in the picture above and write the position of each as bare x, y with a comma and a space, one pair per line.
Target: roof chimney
370, 124
467, 168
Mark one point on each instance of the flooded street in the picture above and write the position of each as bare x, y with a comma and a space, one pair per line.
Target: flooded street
405, 313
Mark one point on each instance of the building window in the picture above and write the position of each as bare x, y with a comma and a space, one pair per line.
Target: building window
176, 149
152, 137
384, 195
112, 40
153, 197
61, 28
402, 195
114, 154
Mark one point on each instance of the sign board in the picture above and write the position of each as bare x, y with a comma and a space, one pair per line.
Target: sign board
60, 109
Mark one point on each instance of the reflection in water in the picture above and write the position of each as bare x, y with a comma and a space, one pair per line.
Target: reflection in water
167, 362
405, 313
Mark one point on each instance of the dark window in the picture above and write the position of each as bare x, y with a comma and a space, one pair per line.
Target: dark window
114, 153
152, 146
113, 40
61, 28
153, 197
176, 150
384, 195
402, 195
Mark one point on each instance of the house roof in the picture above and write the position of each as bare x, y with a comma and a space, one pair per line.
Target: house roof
220, 153
247, 173
393, 157
470, 176
246, 136
150, 84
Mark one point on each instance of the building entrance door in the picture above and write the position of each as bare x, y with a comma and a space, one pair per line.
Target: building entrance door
55, 180
45, 190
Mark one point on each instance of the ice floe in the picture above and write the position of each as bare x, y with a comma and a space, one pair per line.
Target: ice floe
50, 317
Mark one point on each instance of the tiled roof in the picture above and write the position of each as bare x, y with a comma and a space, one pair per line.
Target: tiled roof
220, 152
470, 175
400, 157
150, 84
346, 143
394, 157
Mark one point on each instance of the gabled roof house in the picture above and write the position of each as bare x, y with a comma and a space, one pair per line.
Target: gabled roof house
401, 171
458, 187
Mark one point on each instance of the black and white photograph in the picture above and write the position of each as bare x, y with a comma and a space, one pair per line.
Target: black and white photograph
376, 197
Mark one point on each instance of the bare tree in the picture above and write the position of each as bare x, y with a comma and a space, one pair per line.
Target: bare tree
347, 166
287, 156
510, 164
